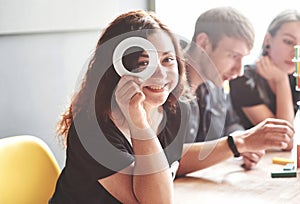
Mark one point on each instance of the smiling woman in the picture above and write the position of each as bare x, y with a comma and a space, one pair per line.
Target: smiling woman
123, 131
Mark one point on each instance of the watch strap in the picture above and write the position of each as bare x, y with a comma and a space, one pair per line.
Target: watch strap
232, 146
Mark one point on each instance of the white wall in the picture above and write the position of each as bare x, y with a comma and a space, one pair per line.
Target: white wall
44, 45
44, 15
182, 15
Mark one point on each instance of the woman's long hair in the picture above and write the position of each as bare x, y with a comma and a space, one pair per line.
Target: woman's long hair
98, 85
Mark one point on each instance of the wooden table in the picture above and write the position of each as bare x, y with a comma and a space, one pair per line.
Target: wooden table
229, 183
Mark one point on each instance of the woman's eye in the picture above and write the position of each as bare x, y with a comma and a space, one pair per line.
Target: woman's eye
168, 59
141, 66
288, 42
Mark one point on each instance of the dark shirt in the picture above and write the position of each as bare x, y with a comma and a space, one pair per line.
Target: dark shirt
217, 117
78, 182
251, 89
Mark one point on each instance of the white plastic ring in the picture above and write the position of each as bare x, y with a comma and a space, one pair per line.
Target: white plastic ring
135, 42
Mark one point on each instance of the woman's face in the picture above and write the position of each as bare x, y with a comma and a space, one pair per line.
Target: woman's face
281, 49
158, 87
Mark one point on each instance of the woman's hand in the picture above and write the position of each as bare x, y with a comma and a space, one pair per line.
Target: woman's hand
279, 83
129, 98
268, 70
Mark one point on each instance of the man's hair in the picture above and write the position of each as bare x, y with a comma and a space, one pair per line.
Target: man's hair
224, 22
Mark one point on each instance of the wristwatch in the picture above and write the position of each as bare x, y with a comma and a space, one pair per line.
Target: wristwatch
232, 146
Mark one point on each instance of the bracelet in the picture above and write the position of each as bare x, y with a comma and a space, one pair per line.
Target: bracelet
232, 146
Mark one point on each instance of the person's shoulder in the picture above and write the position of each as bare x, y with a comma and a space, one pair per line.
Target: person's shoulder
250, 67
187, 106
249, 74
241, 84
250, 71
187, 101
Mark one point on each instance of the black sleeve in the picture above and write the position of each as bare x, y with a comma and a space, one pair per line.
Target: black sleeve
93, 160
243, 93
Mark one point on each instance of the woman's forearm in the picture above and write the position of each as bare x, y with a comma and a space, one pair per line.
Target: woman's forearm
284, 101
152, 180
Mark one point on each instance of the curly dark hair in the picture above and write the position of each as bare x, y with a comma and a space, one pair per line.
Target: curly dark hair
98, 85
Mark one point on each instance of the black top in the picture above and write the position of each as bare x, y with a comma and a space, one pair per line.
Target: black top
78, 182
217, 117
252, 89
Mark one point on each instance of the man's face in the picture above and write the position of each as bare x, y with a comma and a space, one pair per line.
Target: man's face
227, 57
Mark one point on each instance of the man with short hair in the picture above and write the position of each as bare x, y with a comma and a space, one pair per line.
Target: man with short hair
222, 37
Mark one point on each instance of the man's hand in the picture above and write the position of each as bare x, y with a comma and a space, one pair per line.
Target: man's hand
251, 159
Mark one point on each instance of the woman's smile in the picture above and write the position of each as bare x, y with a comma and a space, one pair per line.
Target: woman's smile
157, 88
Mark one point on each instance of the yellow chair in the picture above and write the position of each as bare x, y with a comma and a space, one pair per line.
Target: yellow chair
28, 170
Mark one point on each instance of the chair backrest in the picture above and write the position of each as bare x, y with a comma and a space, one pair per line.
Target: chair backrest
28, 170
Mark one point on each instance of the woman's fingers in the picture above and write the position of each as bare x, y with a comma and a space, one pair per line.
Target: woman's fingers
261, 68
126, 89
130, 97
268, 70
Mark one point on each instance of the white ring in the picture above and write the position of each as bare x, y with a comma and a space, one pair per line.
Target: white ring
138, 42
